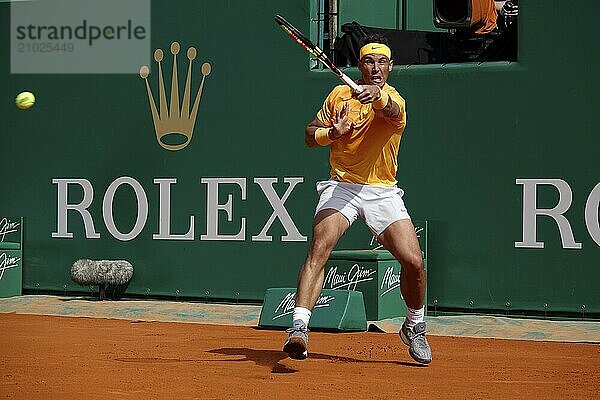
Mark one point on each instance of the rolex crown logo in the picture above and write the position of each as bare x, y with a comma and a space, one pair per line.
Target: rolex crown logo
174, 123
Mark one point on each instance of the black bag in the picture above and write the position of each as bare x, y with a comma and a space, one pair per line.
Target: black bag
408, 47
423, 47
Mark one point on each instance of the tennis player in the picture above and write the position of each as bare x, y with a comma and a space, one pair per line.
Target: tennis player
363, 131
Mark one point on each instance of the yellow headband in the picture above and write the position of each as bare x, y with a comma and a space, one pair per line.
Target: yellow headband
375, 48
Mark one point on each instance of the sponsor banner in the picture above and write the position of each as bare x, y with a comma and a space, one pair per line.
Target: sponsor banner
334, 309
363, 278
10, 231
11, 273
558, 213
8, 261
378, 279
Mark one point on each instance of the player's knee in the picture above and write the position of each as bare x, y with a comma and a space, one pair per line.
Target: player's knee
414, 262
319, 252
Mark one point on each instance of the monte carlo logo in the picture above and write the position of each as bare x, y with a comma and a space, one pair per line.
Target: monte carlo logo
174, 126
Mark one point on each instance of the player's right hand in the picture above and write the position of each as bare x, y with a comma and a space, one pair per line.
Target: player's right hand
368, 95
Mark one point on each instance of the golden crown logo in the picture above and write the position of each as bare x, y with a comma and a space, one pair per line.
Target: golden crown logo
174, 121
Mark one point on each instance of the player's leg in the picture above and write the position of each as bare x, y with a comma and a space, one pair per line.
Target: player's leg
328, 226
401, 240
337, 209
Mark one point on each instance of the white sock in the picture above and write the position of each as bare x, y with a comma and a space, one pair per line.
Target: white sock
413, 316
302, 314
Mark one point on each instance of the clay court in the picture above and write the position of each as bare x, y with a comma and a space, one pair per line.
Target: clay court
51, 357
176, 175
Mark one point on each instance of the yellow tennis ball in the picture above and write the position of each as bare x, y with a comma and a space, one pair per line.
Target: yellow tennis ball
25, 100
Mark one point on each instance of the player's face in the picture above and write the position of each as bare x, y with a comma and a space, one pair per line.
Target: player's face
375, 69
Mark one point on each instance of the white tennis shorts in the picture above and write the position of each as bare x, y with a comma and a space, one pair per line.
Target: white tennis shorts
378, 206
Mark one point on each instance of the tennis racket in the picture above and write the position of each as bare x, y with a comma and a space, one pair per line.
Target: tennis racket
315, 51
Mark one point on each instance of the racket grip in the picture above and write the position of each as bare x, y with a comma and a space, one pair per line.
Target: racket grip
348, 81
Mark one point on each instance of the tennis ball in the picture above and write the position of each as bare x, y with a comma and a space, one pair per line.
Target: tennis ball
25, 100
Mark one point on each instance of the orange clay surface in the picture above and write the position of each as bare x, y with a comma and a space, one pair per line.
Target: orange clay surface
44, 357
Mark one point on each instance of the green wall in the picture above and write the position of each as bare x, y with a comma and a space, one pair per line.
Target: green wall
380, 13
473, 130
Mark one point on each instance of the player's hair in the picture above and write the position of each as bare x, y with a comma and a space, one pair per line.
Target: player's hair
373, 38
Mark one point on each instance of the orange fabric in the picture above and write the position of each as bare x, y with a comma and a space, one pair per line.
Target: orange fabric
369, 155
483, 16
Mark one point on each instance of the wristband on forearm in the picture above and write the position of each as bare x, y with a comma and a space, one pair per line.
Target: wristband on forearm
322, 136
382, 101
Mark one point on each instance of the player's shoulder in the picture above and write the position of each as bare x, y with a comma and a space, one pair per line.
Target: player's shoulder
341, 90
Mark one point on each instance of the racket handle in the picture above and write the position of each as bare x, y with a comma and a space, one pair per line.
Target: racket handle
348, 81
